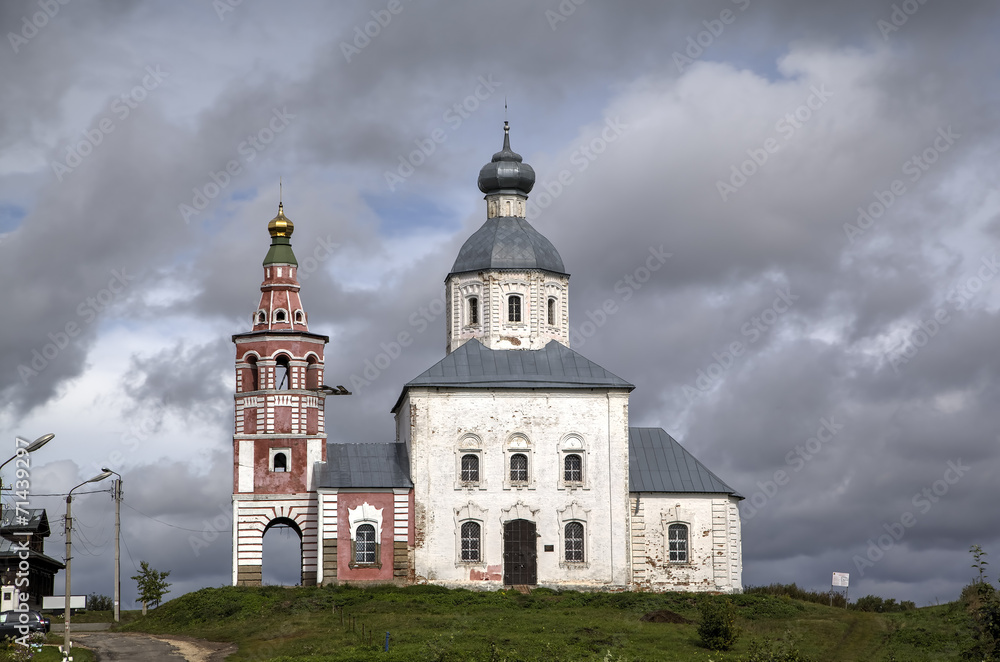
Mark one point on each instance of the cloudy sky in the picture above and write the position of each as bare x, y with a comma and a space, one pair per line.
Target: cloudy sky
823, 176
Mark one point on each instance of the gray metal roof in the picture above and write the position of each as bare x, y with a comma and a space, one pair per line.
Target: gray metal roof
375, 465
506, 172
554, 366
34, 520
507, 242
658, 463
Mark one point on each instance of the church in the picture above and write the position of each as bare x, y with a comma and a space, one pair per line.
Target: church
513, 464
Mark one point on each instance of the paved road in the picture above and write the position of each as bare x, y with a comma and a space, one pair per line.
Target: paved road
133, 647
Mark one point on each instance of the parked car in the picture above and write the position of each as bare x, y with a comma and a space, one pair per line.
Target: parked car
11, 621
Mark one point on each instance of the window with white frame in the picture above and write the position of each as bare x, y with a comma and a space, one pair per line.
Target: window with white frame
472, 537
514, 308
473, 311
518, 468
572, 463
364, 545
470, 468
552, 311
573, 468
280, 459
574, 542
677, 543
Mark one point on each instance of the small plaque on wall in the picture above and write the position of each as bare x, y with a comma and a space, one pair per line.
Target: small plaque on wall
550, 548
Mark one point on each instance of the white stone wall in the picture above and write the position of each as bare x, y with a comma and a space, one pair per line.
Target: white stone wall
442, 423
492, 287
715, 558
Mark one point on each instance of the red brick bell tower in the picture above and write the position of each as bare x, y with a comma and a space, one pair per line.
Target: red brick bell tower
279, 430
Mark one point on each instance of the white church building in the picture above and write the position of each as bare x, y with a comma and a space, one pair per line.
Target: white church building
513, 464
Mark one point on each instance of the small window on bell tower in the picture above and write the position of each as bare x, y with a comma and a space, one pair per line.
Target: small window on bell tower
261, 318
473, 310
281, 374
280, 462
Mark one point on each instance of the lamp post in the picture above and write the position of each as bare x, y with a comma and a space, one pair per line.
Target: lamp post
69, 528
118, 536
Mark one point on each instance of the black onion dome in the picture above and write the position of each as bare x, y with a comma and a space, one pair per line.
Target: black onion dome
506, 173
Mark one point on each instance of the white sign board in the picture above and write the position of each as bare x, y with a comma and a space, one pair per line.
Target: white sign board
841, 579
59, 602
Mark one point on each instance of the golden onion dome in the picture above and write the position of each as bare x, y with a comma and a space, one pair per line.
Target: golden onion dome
281, 225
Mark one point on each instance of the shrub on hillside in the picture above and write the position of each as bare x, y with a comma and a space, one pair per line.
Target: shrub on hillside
793, 591
768, 651
718, 629
874, 603
97, 602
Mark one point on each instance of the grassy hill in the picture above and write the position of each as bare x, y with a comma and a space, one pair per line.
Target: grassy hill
431, 623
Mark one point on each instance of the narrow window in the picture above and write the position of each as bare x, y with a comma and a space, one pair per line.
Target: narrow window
261, 317
514, 308
518, 468
281, 373
280, 462
364, 545
470, 468
574, 542
573, 468
279, 316
471, 539
677, 537
254, 384
298, 316
473, 310
312, 374
552, 312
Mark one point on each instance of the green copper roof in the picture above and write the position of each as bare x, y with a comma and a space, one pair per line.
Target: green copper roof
280, 252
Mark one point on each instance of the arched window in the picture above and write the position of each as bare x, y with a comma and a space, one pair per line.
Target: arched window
573, 469
574, 542
279, 316
473, 310
471, 541
280, 462
470, 468
677, 542
253, 383
552, 312
312, 373
261, 318
519, 468
514, 308
364, 545
281, 373
298, 317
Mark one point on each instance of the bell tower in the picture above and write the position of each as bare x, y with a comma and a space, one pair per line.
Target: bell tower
279, 430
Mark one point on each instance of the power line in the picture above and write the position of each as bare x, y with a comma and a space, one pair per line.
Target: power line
174, 526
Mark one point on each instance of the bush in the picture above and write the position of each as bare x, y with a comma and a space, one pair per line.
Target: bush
718, 630
874, 603
766, 651
793, 591
97, 602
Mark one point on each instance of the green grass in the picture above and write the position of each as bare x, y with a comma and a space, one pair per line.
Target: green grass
431, 623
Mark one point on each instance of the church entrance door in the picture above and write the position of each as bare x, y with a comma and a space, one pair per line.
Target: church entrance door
520, 554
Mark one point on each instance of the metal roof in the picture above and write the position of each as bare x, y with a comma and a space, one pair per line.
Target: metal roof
375, 465
554, 366
658, 463
31, 519
507, 242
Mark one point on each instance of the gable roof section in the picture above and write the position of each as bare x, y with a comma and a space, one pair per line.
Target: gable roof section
32, 520
658, 463
375, 465
554, 366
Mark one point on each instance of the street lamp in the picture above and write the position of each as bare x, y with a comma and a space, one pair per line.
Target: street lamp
69, 528
118, 535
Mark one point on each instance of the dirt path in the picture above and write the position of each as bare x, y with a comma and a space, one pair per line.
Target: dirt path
133, 647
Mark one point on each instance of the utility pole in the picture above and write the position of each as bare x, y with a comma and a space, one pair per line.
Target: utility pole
116, 492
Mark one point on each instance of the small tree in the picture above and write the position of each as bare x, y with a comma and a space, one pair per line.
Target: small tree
97, 602
980, 562
152, 585
718, 629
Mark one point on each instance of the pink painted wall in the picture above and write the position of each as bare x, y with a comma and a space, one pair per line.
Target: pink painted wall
345, 548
